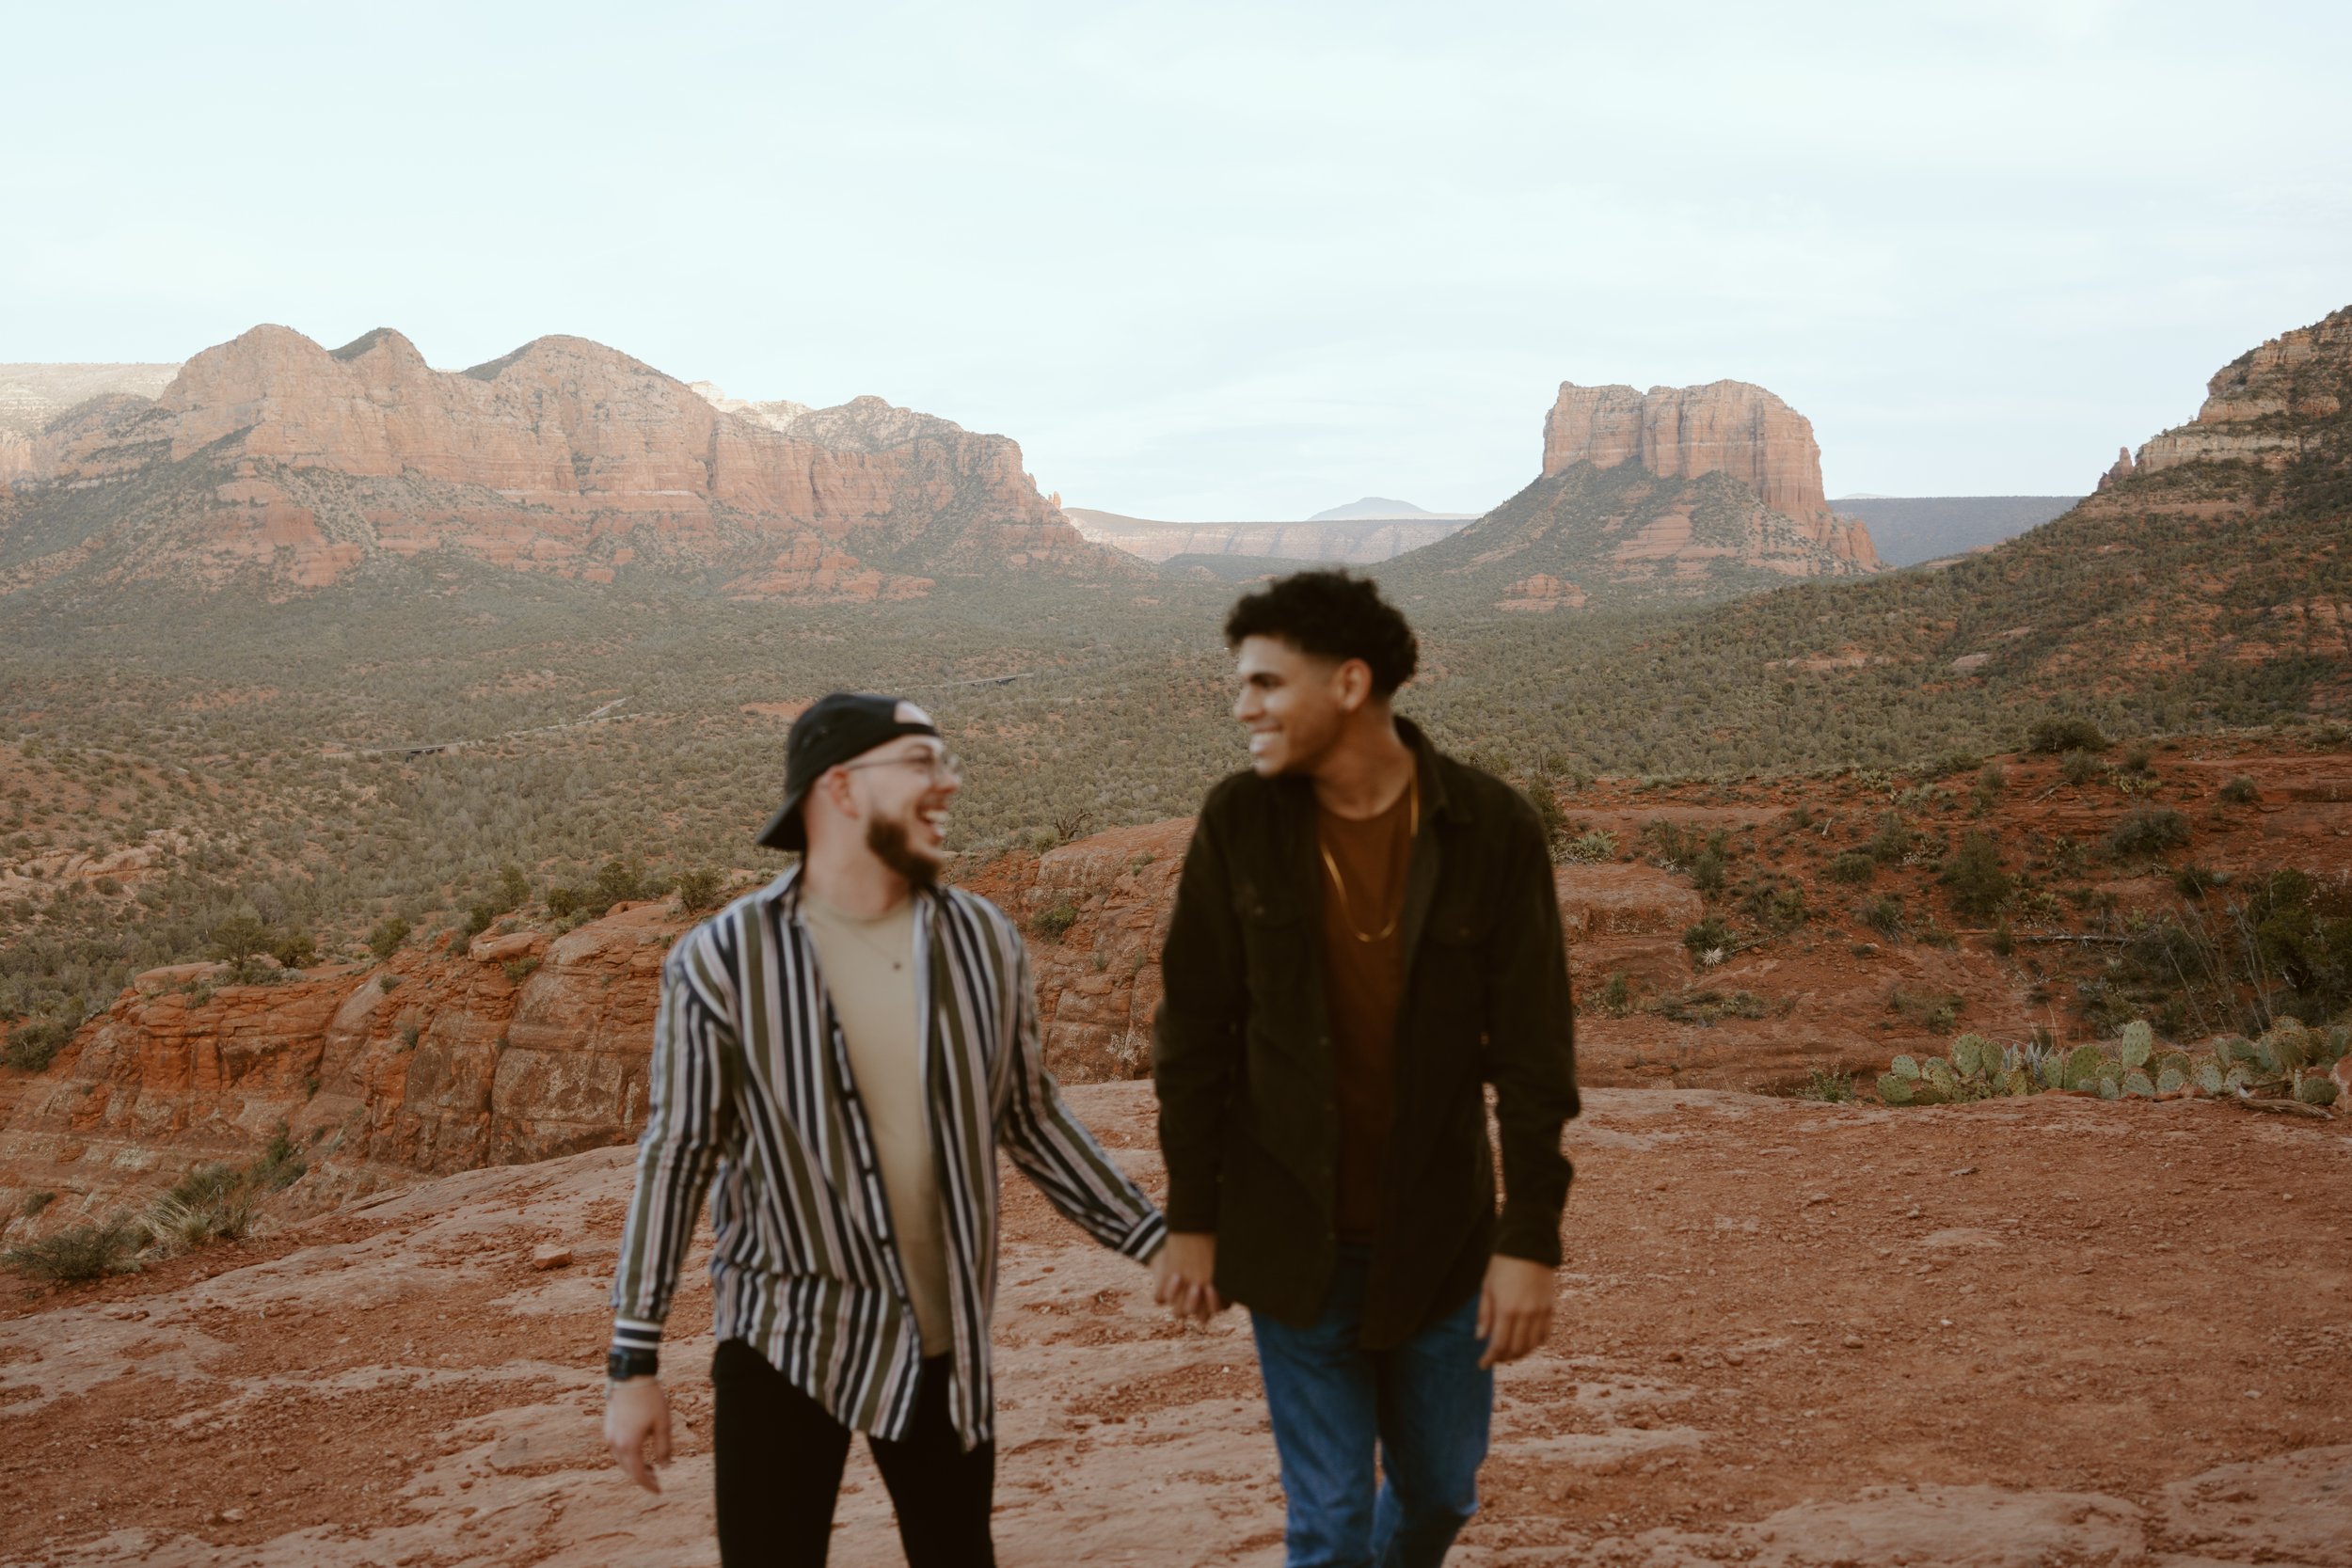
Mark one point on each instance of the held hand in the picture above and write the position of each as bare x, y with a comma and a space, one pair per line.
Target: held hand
1184, 1273
1514, 1308
637, 1416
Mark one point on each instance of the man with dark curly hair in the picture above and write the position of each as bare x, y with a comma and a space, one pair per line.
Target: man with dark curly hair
1365, 936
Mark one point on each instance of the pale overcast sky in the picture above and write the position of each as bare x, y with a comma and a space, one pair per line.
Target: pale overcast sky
1207, 261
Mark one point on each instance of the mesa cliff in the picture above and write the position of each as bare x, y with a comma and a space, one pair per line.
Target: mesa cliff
1726, 427
2272, 407
271, 456
1677, 493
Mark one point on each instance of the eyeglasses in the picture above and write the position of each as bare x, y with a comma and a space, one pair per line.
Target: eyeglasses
943, 767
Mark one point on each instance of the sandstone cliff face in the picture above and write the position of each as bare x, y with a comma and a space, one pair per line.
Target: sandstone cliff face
521, 1048
270, 453
2271, 405
1724, 427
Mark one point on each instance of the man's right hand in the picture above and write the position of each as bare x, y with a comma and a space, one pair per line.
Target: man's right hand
1183, 1276
636, 1418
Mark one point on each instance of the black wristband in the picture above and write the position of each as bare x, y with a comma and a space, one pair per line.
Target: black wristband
622, 1365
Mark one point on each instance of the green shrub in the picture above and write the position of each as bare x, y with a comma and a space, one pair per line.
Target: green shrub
1854, 866
2079, 767
562, 901
91, 1250
2240, 791
1883, 914
1832, 1089
1892, 841
1617, 995
34, 1043
1591, 849
1973, 876
386, 938
2147, 831
699, 890
280, 1166
2054, 735
1054, 921
478, 919
1711, 935
298, 950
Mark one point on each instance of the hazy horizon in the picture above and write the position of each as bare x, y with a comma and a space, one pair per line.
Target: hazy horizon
1227, 263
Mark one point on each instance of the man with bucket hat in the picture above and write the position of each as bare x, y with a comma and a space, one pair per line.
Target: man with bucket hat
836, 1058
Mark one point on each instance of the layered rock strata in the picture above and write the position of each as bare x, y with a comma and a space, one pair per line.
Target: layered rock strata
1727, 427
2271, 405
270, 453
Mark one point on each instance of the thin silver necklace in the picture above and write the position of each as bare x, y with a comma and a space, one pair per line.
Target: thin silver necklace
847, 925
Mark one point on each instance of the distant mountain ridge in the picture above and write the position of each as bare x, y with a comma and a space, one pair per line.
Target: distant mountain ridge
1384, 508
1349, 542
1908, 530
272, 458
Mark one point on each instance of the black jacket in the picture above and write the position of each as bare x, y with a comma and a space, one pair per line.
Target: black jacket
1243, 1063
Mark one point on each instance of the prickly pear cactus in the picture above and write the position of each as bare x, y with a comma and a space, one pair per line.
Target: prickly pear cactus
2140, 1042
2110, 1089
2136, 1082
2337, 1044
2240, 1077
2082, 1066
2209, 1078
2170, 1080
1895, 1088
1968, 1054
2017, 1081
2173, 1061
1926, 1093
1938, 1071
2316, 1090
2237, 1048
1904, 1066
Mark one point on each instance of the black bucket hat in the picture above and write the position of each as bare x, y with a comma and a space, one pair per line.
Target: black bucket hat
835, 730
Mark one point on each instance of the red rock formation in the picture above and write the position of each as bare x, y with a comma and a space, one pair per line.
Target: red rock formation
1683, 432
2120, 470
2267, 406
563, 456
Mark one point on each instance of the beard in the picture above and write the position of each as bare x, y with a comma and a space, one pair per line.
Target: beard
891, 846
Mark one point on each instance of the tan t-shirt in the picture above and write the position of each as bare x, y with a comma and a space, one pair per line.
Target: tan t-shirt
869, 967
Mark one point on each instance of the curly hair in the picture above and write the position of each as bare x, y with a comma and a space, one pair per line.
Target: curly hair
1333, 615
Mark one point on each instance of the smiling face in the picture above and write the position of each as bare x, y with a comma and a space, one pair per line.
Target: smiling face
1293, 705
895, 798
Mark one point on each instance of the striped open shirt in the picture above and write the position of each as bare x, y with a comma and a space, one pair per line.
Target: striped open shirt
752, 1098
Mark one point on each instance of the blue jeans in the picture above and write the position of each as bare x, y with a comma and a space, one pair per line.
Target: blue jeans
1424, 1405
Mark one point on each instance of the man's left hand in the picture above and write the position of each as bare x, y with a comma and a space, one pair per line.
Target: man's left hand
1514, 1308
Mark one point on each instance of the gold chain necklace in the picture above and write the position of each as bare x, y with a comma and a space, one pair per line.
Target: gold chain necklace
1412, 794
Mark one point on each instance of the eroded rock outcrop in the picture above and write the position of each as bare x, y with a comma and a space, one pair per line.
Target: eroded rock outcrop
2271, 405
1727, 427
272, 453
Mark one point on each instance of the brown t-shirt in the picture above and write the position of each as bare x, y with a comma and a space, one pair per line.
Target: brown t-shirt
1363, 981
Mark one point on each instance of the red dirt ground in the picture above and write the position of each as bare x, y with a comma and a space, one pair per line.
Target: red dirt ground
2020, 1332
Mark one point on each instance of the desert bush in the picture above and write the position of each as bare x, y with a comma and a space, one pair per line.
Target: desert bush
387, 938
700, 890
280, 1166
1710, 936
1853, 866
91, 1250
2240, 791
2147, 831
2080, 767
1054, 921
1591, 849
1883, 914
1830, 1088
1893, 840
34, 1043
295, 950
2056, 734
1973, 875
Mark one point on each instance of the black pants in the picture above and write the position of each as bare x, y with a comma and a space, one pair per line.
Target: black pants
778, 1458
